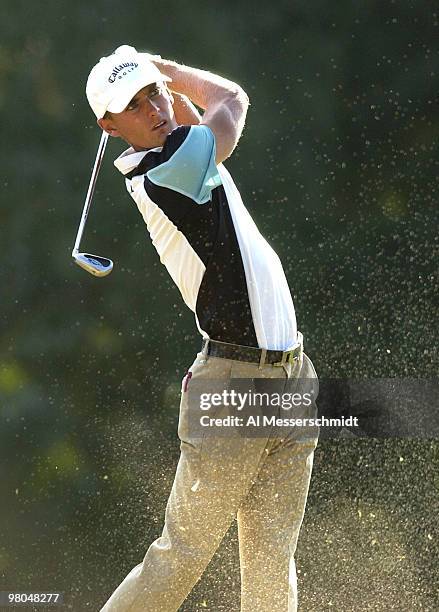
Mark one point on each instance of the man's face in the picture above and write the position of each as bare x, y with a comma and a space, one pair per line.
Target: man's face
146, 121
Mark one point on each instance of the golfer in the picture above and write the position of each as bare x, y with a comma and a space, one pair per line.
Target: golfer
233, 281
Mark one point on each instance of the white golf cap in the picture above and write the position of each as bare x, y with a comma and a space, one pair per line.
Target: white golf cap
116, 79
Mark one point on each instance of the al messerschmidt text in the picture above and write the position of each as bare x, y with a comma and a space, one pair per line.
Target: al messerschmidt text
257, 421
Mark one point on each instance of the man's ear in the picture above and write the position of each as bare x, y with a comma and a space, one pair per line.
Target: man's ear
108, 126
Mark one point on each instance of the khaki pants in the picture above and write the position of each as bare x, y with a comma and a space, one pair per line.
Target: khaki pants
262, 482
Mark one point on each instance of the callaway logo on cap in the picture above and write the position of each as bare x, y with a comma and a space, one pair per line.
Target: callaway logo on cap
116, 79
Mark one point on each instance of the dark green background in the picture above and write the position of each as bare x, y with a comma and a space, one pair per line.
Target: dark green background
339, 168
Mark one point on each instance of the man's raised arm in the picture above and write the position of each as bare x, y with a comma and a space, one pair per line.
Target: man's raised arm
224, 102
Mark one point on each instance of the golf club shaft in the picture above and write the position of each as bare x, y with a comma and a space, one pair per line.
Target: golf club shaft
91, 188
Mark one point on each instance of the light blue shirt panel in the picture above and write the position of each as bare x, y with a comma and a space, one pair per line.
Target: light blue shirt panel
191, 170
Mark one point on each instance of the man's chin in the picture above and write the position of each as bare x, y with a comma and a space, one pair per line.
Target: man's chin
158, 142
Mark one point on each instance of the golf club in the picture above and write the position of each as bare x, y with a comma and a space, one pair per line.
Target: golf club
96, 265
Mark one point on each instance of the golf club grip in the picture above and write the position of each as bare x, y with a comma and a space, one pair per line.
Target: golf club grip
91, 188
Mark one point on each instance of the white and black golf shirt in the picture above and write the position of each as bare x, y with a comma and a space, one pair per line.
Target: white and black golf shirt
227, 273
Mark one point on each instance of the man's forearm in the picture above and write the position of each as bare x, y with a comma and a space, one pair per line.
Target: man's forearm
202, 87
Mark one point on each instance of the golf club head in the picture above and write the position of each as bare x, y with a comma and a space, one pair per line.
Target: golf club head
96, 265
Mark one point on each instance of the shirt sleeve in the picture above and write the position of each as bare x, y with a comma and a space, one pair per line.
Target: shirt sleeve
189, 165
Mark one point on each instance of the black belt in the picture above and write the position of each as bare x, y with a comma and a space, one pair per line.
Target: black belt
252, 354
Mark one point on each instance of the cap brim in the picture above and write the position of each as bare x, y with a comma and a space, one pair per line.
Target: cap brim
118, 104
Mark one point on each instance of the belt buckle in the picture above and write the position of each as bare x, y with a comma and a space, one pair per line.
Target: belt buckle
288, 357
294, 355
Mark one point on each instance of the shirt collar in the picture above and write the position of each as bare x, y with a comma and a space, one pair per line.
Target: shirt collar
130, 159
